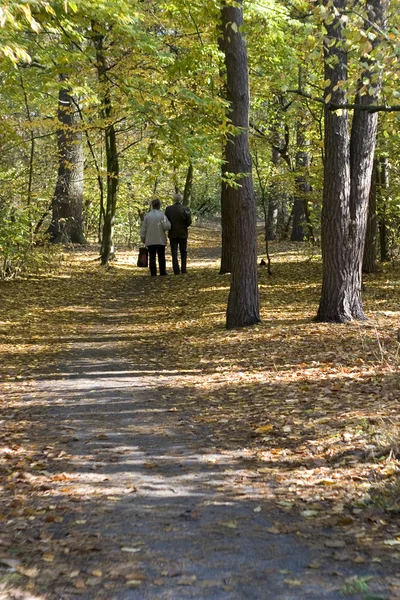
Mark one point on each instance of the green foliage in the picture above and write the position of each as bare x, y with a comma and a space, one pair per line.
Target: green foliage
165, 80
19, 252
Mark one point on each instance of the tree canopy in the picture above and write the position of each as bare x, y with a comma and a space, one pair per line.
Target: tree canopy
146, 84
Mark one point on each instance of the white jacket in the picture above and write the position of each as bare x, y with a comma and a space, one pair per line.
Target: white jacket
153, 229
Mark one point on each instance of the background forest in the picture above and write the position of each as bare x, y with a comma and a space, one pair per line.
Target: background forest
105, 104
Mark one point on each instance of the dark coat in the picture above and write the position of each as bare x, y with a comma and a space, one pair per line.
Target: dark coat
180, 219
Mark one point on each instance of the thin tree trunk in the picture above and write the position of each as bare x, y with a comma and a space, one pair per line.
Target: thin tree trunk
243, 301
98, 175
31, 156
301, 225
382, 183
275, 197
226, 228
264, 206
187, 192
112, 163
369, 259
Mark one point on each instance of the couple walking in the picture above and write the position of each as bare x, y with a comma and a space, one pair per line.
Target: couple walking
176, 221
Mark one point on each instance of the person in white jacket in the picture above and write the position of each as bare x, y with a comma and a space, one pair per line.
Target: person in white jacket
152, 234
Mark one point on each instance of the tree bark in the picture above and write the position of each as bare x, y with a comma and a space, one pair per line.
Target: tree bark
67, 221
112, 162
32, 153
187, 192
301, 227
226, 229
243, 302
347, 178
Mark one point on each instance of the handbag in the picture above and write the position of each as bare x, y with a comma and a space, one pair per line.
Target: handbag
143, 257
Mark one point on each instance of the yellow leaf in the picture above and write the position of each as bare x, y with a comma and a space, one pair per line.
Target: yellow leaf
293, 582
390, 469
97, 573
264, 428
48, 557
74, 573
327, 482
33, 572
230, 524
274, 530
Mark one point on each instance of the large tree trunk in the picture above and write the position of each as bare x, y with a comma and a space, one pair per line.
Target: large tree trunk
67, 222
299, 219
347, 179
243, 303
112, 163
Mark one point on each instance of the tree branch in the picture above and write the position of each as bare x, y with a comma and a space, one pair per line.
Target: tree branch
372, 108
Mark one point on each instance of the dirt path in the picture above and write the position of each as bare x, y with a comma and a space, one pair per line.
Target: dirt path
117, 490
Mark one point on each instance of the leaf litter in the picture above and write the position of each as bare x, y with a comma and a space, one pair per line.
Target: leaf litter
309, 411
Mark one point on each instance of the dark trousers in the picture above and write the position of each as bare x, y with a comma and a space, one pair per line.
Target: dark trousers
159, 251
181, 243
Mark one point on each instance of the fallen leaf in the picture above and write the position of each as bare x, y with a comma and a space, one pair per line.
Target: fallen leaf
133, 582
395, 542
274, 530
32, 572
48, 557
74, 573
314, 565
229, 524
293, 582
187, 580
264, 428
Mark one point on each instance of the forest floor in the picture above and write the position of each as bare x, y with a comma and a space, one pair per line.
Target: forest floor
148, 453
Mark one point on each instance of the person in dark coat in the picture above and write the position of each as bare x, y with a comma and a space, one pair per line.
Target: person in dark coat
180, 219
